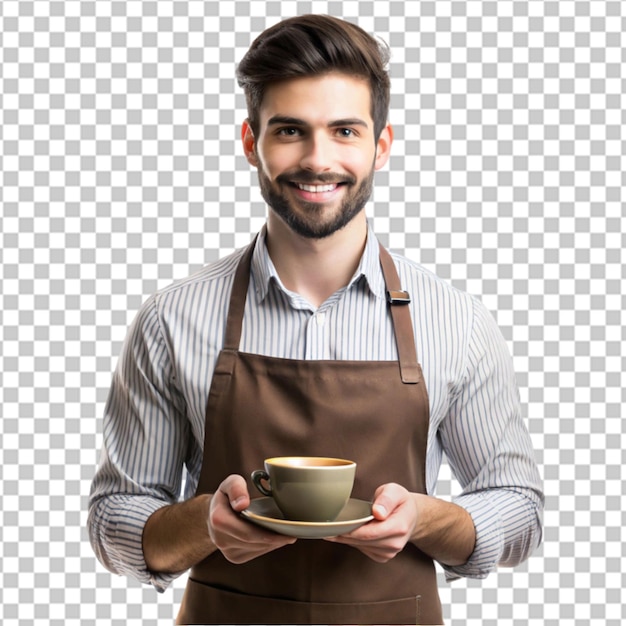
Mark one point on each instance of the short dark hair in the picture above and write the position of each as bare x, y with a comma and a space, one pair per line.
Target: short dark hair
313, 45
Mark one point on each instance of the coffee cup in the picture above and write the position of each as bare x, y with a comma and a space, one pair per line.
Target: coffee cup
306, 488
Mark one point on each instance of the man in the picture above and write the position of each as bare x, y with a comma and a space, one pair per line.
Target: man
307, 342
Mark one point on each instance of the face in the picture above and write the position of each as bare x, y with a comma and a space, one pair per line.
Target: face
316, 153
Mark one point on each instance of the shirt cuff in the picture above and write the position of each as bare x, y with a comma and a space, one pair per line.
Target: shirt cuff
118, 537
489, 539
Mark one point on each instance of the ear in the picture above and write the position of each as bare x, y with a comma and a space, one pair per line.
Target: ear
383, 147
249, 143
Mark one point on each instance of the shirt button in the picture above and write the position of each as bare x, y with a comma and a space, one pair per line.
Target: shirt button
320, 318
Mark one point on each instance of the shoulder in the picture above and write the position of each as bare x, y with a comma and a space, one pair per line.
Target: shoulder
212, 274
195, 295
443, 311
200, 291
429, 287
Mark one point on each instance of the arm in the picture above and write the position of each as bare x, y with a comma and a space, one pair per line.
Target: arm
177, 537
136, 526
490, 453
496, 519
145, 446
440, 529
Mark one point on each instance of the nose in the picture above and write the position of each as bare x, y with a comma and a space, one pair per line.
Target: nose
318, 153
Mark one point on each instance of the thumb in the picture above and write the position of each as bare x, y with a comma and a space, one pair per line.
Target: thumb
385, 501
234, 487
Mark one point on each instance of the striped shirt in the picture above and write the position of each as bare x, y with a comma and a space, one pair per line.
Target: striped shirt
153, 435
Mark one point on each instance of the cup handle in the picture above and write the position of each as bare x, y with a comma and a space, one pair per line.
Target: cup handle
259, 475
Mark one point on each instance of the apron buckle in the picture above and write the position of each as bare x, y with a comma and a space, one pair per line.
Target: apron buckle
398, 297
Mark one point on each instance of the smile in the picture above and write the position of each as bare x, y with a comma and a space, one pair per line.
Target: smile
316, 188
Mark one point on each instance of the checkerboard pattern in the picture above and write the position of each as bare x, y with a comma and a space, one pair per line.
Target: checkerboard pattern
121, 170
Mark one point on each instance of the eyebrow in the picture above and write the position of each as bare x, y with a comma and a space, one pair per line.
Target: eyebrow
294, 121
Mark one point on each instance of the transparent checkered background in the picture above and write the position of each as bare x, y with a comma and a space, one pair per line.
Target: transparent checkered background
121, 171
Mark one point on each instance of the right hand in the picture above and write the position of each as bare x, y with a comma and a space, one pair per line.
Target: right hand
237, 539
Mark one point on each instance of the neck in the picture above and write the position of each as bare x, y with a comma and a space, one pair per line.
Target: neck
316, 268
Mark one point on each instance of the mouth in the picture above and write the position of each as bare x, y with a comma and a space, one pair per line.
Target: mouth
317, 188
320, 193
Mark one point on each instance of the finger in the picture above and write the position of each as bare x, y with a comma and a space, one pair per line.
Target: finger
378, 553
253, 540
240, 540
370, 533
380, 550
252, 535
386, 499
245, 553
234, 487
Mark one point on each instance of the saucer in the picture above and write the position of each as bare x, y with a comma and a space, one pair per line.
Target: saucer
264, 512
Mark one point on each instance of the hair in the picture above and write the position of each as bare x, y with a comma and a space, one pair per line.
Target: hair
314, 45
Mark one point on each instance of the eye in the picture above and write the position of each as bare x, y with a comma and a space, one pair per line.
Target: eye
346, 132
288, 131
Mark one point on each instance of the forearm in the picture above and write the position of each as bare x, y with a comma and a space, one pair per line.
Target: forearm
176, 537
443, 530
508, 530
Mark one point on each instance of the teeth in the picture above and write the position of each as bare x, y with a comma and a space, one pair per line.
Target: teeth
316, 188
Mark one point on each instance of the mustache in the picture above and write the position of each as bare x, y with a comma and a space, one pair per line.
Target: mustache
311, 178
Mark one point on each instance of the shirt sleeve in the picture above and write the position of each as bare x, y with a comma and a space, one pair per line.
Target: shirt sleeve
490, 453
143, 453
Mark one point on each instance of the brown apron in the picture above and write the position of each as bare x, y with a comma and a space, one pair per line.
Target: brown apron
260, 407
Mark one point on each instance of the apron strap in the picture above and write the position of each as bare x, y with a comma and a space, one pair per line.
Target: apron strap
398, 301
238, 299
410, 371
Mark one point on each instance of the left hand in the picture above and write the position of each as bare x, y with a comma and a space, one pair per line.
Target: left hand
395, 512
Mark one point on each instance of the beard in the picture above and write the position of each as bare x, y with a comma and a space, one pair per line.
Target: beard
308, 221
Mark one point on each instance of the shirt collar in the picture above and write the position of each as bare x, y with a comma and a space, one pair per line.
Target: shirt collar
264, 272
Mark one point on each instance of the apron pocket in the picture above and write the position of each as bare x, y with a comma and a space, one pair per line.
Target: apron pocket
205, 604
